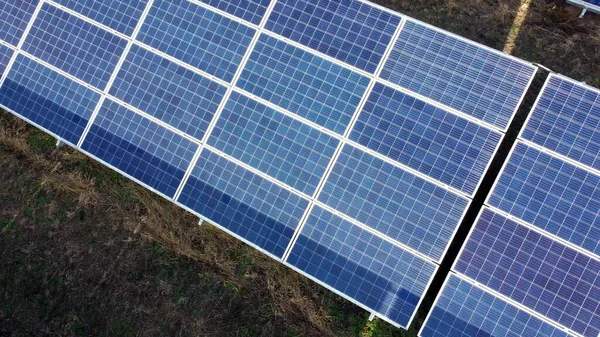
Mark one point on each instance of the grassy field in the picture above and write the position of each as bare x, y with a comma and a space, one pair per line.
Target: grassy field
85, 252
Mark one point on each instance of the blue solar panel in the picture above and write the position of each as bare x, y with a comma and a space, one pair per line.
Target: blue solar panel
243, 202
428, 139
75, 46
394, 202
372, 271
352, 31
303, 83
147, 151
280, 146
551, 194
167, 91
6, 54
458, 73
464, 310
121, 16
249, 10
567, 120
593, 2
48, 99
15, 15
197, 36
542, 274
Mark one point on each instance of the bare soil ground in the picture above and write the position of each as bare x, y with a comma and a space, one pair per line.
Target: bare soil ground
85, 252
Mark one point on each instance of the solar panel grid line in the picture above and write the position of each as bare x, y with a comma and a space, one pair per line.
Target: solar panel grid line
487, 48
441, 106
22, 40
87, 19
116, 70
74, 146
514, 270
380, 315
103, 97
533, 109
338, 150
386, 82
224, 229
353, 143
58, 70
226, 14
497, 293
525, 223
181, 63
142, 44
230, 88
506, 299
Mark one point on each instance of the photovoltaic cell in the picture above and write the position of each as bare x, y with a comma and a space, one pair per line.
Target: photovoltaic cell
360, 265
593, 2
145, 150
74, 46
293, 152
6, 54
394, 202
15, 15
197, 36
567, 120
430, 140
544, 275
243, 202
48, 99
464, 310
351, 31
303, 83
551, 194
249, 10
167, 91
121, 16
457, 73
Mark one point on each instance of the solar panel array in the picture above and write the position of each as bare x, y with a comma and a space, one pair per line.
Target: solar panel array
338, 137
531, 264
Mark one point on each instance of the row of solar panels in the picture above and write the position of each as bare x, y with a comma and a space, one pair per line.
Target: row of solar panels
531, 264
338, 137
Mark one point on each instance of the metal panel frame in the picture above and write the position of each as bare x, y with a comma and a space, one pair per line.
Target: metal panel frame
585, 5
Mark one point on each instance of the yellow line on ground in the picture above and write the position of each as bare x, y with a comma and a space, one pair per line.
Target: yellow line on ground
516, 26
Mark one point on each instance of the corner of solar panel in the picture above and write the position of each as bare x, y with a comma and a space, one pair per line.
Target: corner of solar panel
305, 130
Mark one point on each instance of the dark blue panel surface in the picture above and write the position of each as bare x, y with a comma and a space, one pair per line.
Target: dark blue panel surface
551, 194
121, 16
280, 146
197, 36
464, 310
352, 31
428, 139
167, 91
394, 202
593, 2
6, 54
368, 269
139, 147
249, 10
460, 74
243, 202
303, 83
15, 16
48, 99
548, 277
75, 46
567, 120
